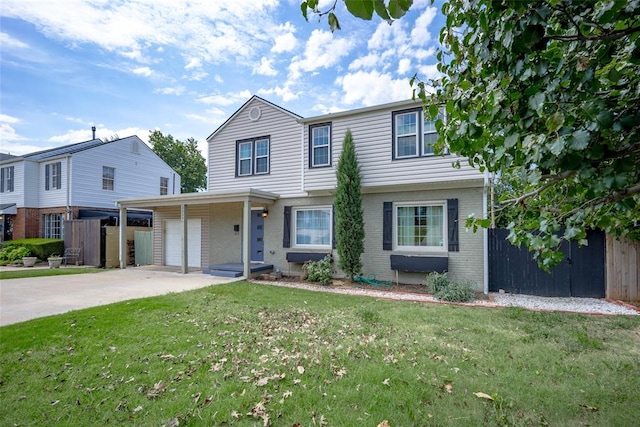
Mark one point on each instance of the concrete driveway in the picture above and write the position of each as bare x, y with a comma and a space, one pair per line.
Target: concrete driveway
25, 299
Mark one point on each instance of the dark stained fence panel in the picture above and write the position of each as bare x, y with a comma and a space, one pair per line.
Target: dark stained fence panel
514, 270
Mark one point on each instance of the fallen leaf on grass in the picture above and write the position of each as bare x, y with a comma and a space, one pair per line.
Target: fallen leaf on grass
300, 369
590, 408
137, 409
385, 423
386, 381
482, 395
265, 380
156, 390
448, 387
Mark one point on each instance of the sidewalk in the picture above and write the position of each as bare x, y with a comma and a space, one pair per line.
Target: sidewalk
25, 299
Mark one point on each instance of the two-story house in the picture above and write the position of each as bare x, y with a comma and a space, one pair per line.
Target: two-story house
270, 199
41, 190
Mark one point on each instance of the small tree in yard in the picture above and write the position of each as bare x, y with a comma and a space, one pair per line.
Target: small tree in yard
348, 210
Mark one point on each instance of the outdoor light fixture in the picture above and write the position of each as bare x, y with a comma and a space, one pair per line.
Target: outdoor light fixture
265, 212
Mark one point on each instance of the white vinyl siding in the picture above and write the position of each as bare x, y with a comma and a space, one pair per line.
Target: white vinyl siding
420, 226
320, 146
138, 174
312, 227
373, 140
285, 151
108, 178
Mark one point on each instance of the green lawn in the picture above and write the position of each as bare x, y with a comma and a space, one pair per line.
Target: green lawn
246, 354
41, 272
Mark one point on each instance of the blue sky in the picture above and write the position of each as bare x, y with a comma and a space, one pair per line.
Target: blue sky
181, 67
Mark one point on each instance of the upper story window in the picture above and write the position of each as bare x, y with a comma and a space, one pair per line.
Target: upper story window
320, 145
164, 186
253, 156
420, 226
413, 134
313, 226
108, 178
6, 179
134, 147
53, 176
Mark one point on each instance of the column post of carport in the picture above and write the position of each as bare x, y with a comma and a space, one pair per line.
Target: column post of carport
185, 239
122, 250
246, 225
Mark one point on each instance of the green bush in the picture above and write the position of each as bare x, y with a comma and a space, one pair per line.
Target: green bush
11, 254
41, 248
445, 290
319, 271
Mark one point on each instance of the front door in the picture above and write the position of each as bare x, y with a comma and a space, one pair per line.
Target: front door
257, 236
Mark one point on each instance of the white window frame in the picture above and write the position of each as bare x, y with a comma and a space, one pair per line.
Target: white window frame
423, 249
165, 187
262, 156
253, 158
54, 170
53, 226
313, 147
108, 179
294, 215
7, 179
421, 145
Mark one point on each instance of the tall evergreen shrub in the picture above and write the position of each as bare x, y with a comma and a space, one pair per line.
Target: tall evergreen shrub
348, 210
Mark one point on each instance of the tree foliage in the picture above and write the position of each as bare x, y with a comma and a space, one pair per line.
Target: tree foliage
348, 210
389, 10
546, 92
184, 157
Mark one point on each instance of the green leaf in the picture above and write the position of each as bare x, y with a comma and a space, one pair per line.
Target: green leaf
433, 110
333, 22
537, 102
557, 146
381, 10
303, 7
360, 8
397, 8
579, 140
555, 121
511, 140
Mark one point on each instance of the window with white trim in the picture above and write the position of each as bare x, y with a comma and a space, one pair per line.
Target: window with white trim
312, 226
52, 226
420, 226
6, 179
108, 178
413, 134
164, 186
320, 145
53, 176
253, 156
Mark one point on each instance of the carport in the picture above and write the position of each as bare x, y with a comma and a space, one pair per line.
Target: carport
248, 198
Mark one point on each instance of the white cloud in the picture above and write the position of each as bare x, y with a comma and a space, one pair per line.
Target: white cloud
404, 66
284, 92
212, 115
367, 62
389, 37
323, 50
285, 42
225, 99
5, 118
420, 34
265, 68
6, 41
102, 132
177, 91
142, 71
193, 63
373, 87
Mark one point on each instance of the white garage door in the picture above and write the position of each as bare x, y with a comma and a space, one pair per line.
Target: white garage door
173, 242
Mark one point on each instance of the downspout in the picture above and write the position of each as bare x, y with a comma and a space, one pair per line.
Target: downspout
68, 189
302, 157
485, 234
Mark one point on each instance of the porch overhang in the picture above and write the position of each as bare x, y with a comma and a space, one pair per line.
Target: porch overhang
246, 197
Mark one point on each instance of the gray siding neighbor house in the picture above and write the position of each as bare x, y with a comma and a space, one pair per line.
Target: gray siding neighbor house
270, 198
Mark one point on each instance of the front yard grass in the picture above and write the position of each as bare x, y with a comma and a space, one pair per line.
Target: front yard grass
41, 272
248, 354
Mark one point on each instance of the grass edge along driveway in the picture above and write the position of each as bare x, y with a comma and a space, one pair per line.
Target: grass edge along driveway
248, 354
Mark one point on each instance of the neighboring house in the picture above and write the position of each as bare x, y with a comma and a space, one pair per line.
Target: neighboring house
39, 191
271, 181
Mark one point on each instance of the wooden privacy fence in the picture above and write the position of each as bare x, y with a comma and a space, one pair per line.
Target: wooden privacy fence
84, 234
623, 269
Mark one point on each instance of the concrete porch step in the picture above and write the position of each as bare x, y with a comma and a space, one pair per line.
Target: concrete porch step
225, 273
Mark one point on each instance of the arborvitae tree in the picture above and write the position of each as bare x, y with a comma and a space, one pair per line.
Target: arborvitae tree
348, 210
